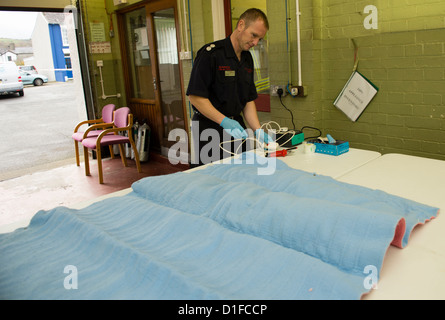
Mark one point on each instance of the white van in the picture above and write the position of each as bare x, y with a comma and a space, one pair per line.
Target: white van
10, 79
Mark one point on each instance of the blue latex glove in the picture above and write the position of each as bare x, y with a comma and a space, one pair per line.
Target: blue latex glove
233, 128
262, 136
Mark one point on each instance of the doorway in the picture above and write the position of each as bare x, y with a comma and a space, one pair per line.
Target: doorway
39, 124
152, 72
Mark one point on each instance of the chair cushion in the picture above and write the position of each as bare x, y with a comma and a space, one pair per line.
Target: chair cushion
107, 113
107, 140
121, 117
94, 133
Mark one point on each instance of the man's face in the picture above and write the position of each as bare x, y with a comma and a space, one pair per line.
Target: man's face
250, 36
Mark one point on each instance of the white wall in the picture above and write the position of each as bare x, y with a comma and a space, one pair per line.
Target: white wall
41, 44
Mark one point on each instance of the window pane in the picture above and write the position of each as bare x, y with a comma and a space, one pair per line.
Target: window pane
139, 55
169, 73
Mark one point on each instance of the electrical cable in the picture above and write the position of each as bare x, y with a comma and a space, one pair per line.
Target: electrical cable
314, 137
243, 141
291, 114
280, 93
292, 133
269, 127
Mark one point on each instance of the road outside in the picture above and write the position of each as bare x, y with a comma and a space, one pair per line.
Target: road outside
36, 129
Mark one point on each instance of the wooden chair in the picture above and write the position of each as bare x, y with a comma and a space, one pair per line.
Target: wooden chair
122, 122
107, 118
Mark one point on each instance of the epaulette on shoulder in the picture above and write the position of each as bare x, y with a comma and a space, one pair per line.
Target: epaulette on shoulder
211, 46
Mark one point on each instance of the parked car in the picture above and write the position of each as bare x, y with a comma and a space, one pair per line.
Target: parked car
33, 78
30, 69
10, 79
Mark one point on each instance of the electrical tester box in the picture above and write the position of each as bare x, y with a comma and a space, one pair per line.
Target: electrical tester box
334, 149
289, 140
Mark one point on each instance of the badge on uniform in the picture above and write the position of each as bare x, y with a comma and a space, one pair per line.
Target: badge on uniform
230, 73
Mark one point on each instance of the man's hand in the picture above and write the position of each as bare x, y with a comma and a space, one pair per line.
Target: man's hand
233, 128
262, 136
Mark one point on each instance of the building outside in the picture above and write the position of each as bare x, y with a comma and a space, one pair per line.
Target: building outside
51, 48
7, 55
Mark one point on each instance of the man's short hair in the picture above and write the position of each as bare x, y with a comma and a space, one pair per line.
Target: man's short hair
253, 14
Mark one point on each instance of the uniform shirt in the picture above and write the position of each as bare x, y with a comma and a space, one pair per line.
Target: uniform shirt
219, 76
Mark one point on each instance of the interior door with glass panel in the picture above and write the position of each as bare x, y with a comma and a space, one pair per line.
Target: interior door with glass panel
138, 55
152, 70
170, 85
139, 69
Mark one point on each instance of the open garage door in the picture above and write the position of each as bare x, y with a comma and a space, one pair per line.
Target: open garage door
39, 124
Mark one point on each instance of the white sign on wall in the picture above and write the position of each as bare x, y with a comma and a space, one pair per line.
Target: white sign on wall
355, 96
100, 47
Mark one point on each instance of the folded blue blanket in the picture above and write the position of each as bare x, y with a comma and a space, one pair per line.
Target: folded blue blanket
223, 232
308, 185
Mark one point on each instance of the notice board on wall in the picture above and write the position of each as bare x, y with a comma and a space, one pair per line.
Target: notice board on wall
355, 96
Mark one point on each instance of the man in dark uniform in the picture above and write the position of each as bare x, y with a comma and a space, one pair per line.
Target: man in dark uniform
222, 86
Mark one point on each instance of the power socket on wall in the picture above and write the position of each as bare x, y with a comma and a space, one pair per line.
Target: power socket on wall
274, 91
295, 91
299, 91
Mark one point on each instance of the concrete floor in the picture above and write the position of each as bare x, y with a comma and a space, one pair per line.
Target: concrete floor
67, 185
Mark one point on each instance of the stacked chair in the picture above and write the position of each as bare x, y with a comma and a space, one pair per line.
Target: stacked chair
109, 136
106, 120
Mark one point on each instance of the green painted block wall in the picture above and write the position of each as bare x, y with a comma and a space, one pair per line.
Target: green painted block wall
404, 57
408, 114
283, 64
99, 11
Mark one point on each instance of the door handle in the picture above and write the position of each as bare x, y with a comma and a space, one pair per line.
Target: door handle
155, 85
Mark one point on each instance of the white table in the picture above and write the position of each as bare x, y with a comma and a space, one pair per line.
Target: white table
322, 164
418, 270
328, 165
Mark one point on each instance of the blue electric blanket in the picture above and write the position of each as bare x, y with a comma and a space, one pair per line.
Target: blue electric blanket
224, 232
